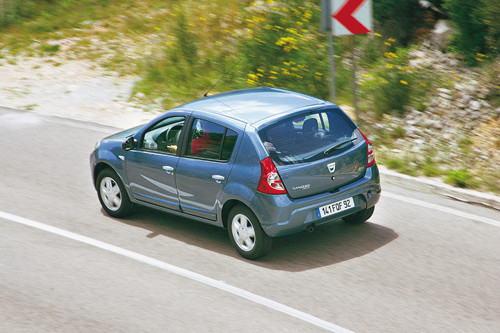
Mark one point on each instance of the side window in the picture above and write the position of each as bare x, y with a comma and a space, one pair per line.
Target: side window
228, 146
164, 136
211, 141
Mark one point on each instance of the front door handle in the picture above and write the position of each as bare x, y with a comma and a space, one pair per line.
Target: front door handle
168, 169
218, 178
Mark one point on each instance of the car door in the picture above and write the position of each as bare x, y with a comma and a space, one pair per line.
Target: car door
151, 167
204, 169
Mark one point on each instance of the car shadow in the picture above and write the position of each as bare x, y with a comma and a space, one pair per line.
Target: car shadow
329, 244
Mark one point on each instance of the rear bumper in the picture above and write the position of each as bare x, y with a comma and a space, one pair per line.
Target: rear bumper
281, 215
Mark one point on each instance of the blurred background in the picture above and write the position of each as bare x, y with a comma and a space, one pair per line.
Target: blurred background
428, 78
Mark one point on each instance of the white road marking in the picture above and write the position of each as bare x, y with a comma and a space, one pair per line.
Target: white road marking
180, 271
446, 210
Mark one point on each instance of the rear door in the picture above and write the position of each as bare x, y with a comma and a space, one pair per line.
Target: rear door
203, 170
316, 151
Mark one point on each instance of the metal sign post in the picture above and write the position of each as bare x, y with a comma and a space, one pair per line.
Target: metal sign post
326, 27
344, 17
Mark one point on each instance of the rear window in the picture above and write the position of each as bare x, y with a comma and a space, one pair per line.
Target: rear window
309, 137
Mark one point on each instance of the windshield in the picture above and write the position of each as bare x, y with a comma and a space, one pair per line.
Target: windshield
308, 137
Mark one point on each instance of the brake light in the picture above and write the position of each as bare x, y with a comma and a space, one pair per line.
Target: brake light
370, 152
270, 181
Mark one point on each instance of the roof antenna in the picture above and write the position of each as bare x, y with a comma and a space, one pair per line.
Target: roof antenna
220, 79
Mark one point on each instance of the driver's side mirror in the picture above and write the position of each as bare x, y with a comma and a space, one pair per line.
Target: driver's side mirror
129, 144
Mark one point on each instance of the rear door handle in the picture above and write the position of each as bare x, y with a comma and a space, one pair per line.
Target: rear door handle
168, 169
218, 178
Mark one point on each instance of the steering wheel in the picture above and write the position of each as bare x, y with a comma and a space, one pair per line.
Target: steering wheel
172, 135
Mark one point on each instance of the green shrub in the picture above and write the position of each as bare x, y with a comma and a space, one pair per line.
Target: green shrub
50, 48
478, 27
282, 47
195, 53
398, 18
431, 170
395, 163
461, 178
398, 132
392, 84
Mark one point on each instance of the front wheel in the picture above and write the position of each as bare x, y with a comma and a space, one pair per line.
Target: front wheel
246, 234
112, 194
359, 217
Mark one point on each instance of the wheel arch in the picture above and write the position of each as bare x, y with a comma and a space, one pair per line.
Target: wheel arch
226, 209
99, 168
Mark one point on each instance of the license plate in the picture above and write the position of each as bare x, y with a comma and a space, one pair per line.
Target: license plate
335, 207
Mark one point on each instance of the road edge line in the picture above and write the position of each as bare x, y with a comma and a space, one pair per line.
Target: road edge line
446, 210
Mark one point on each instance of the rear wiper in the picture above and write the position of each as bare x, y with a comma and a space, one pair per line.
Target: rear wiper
329, 150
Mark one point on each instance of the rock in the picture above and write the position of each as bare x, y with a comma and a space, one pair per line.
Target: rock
444, 104
485, 105
441, 34
445, 96
475, 105
444, 90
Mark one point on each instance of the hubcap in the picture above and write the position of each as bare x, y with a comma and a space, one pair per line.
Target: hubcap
111, 194
243, 232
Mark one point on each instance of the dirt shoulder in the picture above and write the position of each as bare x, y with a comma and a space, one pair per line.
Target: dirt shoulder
74, 89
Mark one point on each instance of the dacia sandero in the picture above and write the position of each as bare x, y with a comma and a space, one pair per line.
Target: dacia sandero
261, 162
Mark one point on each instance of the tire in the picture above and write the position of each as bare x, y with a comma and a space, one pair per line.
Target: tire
112, 194
359, 217
246, 234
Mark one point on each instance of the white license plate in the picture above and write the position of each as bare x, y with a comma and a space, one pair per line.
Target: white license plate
335, 207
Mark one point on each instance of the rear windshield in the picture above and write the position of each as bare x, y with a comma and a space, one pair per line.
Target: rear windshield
309, 137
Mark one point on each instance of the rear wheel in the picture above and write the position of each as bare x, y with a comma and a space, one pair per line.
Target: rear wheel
359, 217
246, 234
112, 194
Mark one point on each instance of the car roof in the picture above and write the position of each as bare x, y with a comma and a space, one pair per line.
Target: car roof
254, 105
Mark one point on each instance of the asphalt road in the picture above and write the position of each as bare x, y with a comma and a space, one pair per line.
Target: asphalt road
423, 263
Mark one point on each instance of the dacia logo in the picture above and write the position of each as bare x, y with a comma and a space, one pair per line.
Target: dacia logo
331, 167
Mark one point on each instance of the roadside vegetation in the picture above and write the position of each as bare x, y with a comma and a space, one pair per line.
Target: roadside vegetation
181, 50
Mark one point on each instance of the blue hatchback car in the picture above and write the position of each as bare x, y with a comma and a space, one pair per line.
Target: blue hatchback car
260, 162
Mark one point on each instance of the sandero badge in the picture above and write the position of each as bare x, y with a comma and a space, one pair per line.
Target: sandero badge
252, 161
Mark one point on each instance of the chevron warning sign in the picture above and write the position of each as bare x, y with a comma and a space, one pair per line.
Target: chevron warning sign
351, 17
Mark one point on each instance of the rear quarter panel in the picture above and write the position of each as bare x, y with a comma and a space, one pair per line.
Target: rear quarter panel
243, 181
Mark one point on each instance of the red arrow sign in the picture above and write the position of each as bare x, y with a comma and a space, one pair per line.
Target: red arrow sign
344, 16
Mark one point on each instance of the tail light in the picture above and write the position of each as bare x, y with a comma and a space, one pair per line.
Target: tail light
370, 152
270, 181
